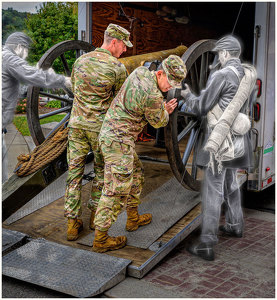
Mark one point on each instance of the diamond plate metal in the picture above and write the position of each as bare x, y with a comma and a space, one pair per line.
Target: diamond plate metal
11, 239
51, 193
72, 271
167, 204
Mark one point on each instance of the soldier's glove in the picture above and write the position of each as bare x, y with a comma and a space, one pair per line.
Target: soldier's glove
67, 83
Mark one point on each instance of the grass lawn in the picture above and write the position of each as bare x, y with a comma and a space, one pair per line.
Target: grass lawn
21, 124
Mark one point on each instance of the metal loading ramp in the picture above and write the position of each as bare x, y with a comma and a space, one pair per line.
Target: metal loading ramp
72, 271
176, 213
166, 205
11, 240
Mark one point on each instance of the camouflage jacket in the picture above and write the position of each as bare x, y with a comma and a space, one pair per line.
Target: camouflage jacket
97, 77
138, 102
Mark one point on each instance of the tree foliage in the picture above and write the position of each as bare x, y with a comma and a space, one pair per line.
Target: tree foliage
54, 22
12, 21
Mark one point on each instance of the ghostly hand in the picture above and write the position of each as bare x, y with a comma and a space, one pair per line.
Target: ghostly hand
51, 71
67, 83
186, 91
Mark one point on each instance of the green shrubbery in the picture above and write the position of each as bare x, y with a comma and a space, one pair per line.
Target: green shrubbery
21, 106
54, 22
54, 104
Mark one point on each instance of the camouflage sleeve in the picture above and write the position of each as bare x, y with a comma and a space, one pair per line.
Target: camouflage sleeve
121, 76
72, 79
155, 111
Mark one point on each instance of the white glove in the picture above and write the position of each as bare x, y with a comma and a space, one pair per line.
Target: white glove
67, 83
51, 71
185, 92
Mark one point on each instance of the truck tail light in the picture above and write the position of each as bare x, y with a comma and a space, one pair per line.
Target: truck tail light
257, 111
259, 84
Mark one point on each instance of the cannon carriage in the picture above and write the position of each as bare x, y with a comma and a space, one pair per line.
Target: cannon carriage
183, 129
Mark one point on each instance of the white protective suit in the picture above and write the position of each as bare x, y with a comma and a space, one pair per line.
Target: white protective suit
16, 70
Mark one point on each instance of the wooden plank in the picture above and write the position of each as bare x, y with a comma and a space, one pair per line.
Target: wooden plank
149, 32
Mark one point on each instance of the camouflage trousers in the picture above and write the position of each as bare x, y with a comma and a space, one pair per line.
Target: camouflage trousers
79, 144
123, 181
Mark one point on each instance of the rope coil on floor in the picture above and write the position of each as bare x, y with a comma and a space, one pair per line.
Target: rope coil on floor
43, 154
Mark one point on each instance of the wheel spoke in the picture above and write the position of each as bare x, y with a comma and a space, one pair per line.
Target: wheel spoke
194, 166
188, 148
78, 53
190, 145
194, 171
207, 66
186, 130
194, 78
203, 70
53, 96
65, 65
55, 112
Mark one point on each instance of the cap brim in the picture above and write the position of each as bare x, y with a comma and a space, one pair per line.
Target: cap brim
175, 85
128, 44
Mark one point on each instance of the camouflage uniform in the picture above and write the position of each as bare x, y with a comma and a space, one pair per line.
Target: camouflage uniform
138, 102
96, 78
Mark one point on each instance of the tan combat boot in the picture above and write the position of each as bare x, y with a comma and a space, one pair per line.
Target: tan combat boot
103, 242
134, 220
74, 227
91, 222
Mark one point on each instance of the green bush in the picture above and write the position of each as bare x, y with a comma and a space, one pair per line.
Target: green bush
54, 22
21, 106
54, 104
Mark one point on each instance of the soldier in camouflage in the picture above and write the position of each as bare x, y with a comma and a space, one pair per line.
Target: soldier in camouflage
139, 101
96, 78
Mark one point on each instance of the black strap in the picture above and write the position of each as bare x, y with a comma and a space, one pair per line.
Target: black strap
177, 94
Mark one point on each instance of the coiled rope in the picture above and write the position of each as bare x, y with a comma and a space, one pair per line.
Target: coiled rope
43, 154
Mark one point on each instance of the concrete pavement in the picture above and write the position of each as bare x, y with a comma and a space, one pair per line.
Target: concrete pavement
243, 267
16, 144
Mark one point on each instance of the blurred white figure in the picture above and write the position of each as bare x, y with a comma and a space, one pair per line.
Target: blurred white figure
220, 175
16, 70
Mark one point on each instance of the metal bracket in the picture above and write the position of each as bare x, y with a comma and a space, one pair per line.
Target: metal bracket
62, 165
49, 174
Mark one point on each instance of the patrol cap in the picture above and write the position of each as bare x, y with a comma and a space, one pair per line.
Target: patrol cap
119, 33
229, 43
19, 38
175, 70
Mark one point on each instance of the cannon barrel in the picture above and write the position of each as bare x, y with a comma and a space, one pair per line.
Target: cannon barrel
133, 62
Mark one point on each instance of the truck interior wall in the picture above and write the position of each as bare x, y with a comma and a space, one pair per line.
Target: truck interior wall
150, 32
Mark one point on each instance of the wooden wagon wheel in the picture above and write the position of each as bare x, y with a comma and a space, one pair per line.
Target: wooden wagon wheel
58, 51
183, 129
